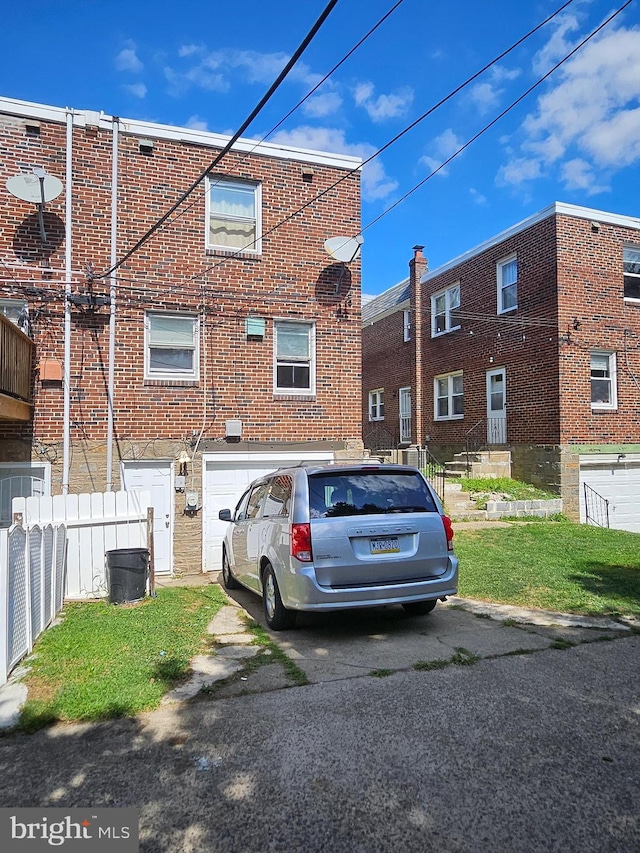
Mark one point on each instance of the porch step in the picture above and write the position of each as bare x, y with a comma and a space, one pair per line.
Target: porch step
486, 463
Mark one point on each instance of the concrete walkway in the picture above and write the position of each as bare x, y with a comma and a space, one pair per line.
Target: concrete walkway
342, 645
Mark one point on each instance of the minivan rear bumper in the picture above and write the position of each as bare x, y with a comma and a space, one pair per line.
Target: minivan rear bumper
300, 590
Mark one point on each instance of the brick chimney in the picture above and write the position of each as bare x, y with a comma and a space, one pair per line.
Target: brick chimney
418, 266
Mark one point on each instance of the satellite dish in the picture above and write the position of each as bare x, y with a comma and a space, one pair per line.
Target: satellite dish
343, 249
36, 188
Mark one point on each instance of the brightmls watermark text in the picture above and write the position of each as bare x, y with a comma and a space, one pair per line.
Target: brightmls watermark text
32, 830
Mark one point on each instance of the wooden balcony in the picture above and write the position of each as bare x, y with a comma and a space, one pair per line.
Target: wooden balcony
16, 357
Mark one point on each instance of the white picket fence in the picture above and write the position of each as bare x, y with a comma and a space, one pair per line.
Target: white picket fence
95, 523
31, 587
56, 549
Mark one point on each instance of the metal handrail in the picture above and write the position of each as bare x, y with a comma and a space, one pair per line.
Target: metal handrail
433, 469
473, 442
596, 507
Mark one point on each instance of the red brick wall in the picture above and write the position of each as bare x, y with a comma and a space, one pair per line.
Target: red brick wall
523, 341
387, 364
594, 315
290, 280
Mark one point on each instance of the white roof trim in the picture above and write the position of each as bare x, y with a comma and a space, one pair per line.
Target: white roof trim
555, 208
84, 118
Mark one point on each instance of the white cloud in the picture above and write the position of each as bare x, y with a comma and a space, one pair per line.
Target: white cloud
486, 95
138, 90
477, 197
319, 106
587, 125
127, 59
382, 107
440, 149
578, 175
376, 184
519, 170
189, 50
197, 123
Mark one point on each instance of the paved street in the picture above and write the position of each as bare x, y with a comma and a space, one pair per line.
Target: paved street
536, 749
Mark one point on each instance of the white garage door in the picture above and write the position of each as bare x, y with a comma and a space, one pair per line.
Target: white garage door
225, 477
617, 479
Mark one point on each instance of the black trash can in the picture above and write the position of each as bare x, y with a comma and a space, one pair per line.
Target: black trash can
127, 574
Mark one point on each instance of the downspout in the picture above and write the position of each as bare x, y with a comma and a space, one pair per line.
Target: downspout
66, 417
112, 319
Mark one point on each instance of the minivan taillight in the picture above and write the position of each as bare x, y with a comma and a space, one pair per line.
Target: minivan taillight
448, 529
301, 542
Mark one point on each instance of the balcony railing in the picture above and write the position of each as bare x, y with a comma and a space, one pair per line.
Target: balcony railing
16, 355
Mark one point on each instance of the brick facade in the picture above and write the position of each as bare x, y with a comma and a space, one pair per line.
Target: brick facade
570, 301
291, 279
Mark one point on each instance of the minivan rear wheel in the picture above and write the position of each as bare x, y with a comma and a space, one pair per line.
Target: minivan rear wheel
277, 616
419, 608
227, 578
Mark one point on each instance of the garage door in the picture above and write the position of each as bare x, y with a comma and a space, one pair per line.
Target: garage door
225, 477
617, 479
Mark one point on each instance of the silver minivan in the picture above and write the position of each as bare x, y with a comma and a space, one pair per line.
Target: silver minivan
327, 537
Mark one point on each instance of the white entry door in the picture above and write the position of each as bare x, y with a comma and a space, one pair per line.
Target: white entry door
497, 406
225, 477
155, 476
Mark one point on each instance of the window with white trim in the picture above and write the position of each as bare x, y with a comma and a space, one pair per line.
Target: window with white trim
448, 397
406, 325
443, 307
233, 215
603, 380
507, 274
22, 480
294, 357
631, 261
376, 405
171, 346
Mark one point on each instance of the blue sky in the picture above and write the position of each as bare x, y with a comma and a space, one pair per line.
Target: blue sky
575, 139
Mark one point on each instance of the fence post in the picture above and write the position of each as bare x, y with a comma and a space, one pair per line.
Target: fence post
4, 606
152, 567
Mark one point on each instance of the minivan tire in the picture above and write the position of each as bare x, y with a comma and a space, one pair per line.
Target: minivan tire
419, 608
227, 578
277, 616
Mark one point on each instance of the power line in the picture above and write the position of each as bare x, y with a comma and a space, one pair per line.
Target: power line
300, 102
395, 139
263, 101
497, 118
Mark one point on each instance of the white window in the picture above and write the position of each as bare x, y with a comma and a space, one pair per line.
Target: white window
294, 361
376, 405
631, 257
603, 380
16, 311
406, 325
448, 397
507, 273
405, 414
171, 346
443, 305
233, 216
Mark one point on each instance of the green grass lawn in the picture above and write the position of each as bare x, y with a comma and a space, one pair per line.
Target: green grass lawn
105, 661
573, 568
480, 488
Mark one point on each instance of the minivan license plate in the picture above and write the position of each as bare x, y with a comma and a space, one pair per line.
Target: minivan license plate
385, 546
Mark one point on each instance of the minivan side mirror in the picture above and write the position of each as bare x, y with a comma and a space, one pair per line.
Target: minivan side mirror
224, 515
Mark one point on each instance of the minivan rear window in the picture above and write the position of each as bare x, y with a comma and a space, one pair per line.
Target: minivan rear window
368, 493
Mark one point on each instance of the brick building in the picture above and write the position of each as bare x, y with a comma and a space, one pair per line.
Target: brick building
529, 342
229, 343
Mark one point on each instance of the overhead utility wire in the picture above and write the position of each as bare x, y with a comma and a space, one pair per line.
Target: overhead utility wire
395, 139
312, 91
496, 119
245, 124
